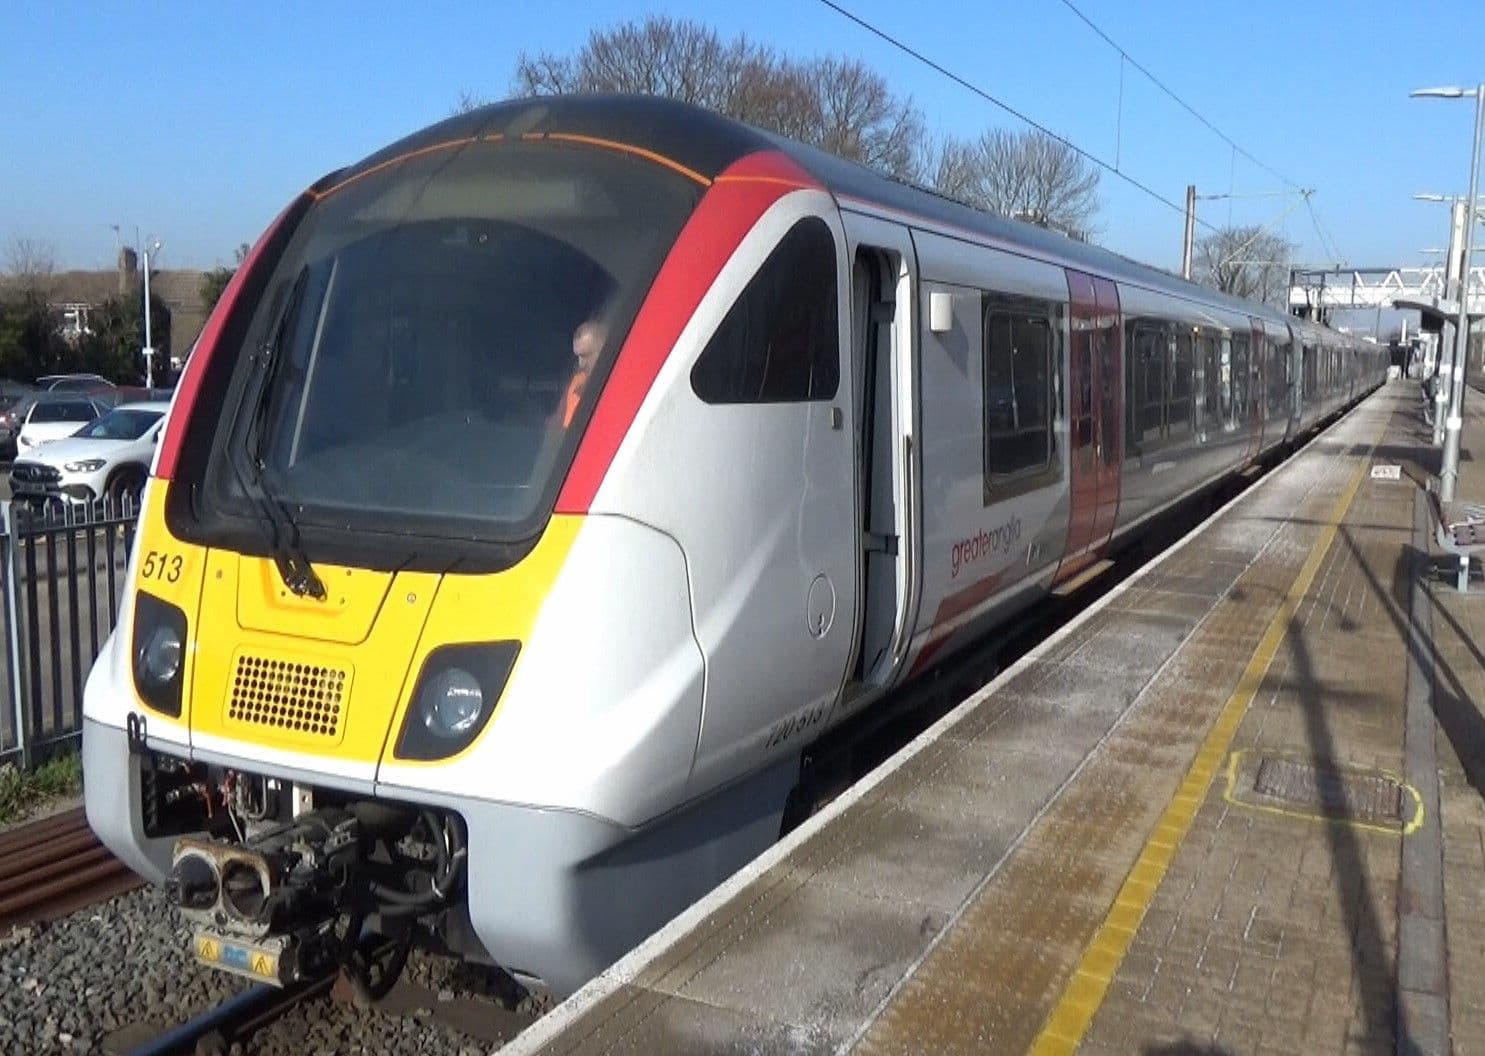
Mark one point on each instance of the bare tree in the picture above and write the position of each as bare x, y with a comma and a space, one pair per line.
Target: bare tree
860, 118
31, 263
468, 100
1024, 175
1246, 261
675, 58
956, 170
838, 104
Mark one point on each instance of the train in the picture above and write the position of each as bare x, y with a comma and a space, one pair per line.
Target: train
546, 483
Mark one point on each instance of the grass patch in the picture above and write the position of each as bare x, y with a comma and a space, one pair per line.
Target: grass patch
21, 791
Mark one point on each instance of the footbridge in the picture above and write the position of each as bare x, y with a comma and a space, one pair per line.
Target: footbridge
1314, 292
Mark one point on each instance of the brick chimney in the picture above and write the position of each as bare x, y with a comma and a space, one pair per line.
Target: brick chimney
128, 272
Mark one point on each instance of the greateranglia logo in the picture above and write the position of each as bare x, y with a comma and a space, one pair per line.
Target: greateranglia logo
977, 547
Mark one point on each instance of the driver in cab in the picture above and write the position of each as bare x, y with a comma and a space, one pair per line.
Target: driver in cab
587, 343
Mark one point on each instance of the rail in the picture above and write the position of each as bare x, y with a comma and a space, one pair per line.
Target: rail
52, 867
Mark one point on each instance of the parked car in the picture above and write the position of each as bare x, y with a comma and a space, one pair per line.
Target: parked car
15, 401
53, 417
73, 382
107, 457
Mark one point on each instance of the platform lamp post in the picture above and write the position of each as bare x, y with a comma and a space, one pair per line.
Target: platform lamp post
149, 346
1453, 286
1449, 474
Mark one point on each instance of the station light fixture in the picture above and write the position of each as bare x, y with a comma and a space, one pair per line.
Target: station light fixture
1449, 474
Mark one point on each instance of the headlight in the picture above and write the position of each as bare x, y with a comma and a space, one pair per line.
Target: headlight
455, 695
159, 647
455, 703
87, 465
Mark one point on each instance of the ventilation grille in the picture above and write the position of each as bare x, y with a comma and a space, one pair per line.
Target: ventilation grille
299, 699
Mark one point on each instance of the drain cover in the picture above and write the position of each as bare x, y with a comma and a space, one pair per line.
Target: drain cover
1352, 797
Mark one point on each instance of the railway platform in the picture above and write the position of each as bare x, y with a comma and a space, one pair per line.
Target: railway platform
1234, 807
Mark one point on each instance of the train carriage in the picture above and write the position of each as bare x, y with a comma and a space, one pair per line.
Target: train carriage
544, 484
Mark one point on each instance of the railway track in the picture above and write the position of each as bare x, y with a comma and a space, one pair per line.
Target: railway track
53, 867
238, 1023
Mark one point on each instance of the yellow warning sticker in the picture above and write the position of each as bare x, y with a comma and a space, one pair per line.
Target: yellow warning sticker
244, 958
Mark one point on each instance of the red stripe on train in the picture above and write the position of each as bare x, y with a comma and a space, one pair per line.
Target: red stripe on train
947, 621
730, 208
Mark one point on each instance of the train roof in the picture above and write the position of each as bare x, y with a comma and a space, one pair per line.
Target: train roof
707, 143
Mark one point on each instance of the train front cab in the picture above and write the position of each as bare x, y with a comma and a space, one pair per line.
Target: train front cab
559, 623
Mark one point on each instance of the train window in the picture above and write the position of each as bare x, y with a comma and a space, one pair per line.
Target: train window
1278, 376
1149, 350
779, 343
1105, 347
1240, 380
1178, 407
1215, 381
1019, 395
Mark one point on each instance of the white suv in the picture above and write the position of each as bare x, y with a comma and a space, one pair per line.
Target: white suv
109, 456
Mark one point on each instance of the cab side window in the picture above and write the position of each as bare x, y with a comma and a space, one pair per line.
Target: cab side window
780, 342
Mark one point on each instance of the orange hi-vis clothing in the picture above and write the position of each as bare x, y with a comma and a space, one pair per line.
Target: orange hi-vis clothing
574, 397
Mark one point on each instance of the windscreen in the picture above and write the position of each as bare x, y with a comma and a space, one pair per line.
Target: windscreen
119, 425
434, 333
71, 411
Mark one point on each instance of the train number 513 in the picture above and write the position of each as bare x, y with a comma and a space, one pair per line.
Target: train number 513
164, 567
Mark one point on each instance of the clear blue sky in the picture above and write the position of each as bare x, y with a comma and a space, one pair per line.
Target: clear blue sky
197, 122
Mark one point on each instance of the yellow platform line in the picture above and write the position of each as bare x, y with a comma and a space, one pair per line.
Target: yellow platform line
1084, 993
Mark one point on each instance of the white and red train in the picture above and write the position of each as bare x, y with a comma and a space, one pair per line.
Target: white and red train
430, 632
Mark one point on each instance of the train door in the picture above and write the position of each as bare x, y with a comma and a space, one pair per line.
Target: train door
1108, 356
1083, 419
883, 283
1257, 385
1095, 401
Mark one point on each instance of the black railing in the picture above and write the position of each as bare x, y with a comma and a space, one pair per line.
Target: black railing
63, 575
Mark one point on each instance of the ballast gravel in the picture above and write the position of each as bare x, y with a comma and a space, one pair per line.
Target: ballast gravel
68, 985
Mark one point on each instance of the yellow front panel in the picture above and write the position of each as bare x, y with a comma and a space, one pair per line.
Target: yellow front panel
501, 607
298, 671
170, 570
266, 668
353, 597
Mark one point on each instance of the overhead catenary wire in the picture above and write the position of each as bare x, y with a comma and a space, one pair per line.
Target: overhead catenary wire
1253, 194
1327, 244
1231, 258
1158, 83
1008, 108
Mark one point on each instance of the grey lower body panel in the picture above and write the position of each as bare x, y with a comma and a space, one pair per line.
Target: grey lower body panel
552, 894
559, 896
112, 798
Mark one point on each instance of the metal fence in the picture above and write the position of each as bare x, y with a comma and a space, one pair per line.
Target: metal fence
62, 573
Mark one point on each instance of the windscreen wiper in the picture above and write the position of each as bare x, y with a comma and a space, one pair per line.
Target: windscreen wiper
293, 564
